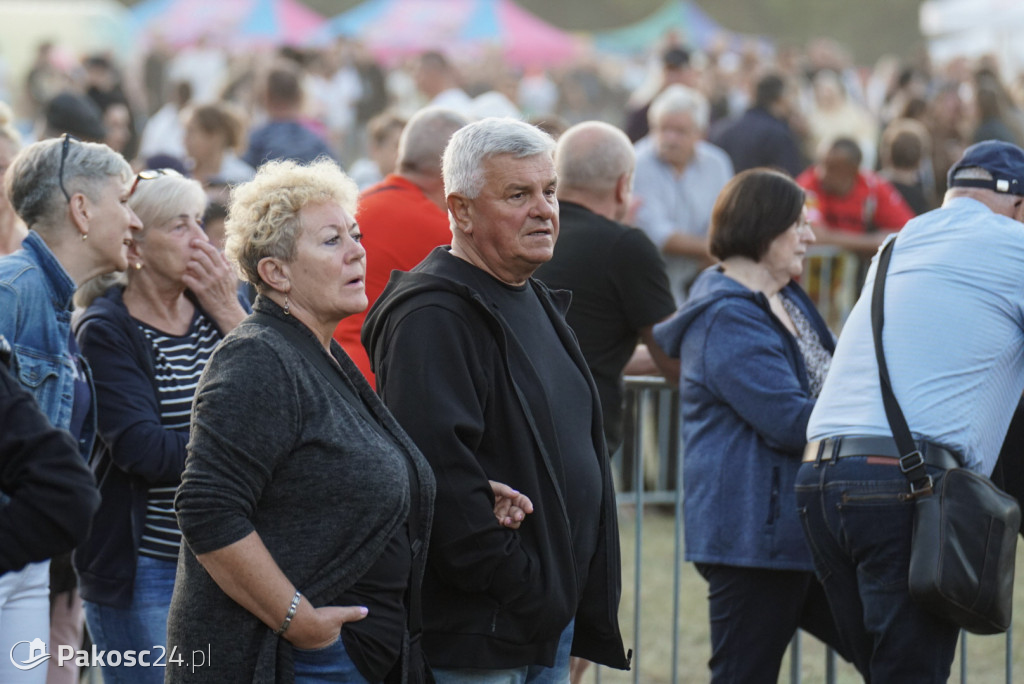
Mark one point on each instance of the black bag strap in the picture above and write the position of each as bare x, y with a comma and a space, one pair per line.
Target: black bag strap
911, 458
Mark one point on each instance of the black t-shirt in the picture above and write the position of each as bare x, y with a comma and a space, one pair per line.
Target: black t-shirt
375, 645
569, 400
619, 285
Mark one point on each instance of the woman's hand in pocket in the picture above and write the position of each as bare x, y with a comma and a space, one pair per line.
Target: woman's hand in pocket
315, 628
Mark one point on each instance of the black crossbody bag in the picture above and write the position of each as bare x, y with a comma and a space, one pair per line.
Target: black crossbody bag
965, 528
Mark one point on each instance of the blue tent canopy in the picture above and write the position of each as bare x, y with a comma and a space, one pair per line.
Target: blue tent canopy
684, 17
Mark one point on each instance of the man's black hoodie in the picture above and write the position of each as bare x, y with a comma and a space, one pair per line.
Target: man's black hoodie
451, 371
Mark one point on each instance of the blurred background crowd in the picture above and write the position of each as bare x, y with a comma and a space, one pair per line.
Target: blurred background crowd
190, 97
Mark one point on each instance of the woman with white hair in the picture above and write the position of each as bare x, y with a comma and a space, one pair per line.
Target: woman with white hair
148, 339
73, 196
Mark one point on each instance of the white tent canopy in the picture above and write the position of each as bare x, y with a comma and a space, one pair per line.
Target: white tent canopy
972, 28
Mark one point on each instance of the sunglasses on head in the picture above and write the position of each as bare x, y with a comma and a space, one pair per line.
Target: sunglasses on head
150, 174
65, 146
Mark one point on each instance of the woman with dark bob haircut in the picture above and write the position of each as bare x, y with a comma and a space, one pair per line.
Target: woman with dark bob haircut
754, 354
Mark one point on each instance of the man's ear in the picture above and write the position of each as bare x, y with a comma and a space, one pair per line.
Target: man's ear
460, 209
275, 273
1018, 210
624, 188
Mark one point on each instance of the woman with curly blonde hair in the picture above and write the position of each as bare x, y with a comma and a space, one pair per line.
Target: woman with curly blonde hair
305, 507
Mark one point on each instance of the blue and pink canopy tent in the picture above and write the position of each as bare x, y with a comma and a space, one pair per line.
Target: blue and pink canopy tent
684, 19
393, 29
232, 23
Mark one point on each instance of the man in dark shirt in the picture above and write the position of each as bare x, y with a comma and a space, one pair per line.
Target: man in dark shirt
762, 136
475, 360
616, 274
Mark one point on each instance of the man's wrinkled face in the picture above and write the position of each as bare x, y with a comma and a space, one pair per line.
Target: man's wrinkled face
513, 221
675, 138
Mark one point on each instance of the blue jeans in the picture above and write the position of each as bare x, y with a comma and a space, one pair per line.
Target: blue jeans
142, 626
858, 521
322, 665
558, 673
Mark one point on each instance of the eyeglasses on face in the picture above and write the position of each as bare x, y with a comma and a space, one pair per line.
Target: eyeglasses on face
151, 174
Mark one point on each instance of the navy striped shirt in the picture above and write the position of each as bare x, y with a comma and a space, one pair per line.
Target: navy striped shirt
179, 361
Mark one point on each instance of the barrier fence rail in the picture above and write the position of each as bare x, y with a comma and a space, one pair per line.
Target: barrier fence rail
648, 471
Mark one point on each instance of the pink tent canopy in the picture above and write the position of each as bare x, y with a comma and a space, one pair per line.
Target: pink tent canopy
236, 23
393, 29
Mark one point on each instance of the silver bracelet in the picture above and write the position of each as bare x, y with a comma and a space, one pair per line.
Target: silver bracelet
291, 613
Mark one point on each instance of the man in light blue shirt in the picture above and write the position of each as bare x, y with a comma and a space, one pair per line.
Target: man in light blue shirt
954, 346
677, 180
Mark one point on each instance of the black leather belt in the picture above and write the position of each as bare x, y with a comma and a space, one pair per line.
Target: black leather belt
843, 447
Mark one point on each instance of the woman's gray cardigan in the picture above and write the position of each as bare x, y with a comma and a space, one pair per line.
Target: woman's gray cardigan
276, 448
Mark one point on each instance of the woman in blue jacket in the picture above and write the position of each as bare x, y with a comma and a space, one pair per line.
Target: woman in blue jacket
754, 353
148, 338
72, 196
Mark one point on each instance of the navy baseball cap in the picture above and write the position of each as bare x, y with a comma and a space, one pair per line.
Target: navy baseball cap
1003, 160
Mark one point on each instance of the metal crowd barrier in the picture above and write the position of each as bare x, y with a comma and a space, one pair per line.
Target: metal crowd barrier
832, 279
649, 474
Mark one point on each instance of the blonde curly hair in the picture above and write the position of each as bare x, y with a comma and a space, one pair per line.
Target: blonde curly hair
263, 219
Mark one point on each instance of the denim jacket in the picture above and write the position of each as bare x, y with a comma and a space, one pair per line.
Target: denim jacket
35, 317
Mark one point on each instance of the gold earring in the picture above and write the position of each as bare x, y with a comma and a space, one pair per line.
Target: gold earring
138, 265
85, 236
287, 306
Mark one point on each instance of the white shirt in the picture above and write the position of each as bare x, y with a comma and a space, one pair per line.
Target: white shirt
673, 202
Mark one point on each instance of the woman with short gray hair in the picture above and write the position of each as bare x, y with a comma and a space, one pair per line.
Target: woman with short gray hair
73, 197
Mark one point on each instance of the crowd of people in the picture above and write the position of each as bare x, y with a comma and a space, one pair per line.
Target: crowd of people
357, 426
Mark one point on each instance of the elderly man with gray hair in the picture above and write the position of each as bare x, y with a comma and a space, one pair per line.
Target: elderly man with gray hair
475, 360
678, 178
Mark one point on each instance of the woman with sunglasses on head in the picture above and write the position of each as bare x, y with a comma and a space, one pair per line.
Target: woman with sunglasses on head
73, 198
148, 338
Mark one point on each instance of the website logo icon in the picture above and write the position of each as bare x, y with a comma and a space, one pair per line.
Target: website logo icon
37, 654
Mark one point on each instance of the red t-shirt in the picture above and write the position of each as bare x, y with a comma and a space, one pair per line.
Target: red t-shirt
872, 201
400, 226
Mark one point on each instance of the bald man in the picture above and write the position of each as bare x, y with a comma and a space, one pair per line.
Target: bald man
616, 274
404, 216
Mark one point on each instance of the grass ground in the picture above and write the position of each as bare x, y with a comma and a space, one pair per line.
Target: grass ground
653, 650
